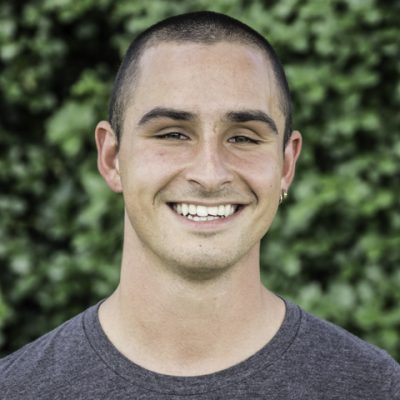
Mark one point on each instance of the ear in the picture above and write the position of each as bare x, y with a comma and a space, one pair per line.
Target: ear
291, 154
107, 155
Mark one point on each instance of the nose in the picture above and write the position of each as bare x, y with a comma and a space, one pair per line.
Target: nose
209, 167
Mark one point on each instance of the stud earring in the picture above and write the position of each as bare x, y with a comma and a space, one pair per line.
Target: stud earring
283, 196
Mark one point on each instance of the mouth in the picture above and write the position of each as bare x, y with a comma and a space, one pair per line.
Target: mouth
202, 213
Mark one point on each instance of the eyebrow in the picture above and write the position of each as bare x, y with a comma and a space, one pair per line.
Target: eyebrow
252, 115
160, 112
232, 116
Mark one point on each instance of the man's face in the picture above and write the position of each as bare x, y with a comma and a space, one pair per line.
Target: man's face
201, 155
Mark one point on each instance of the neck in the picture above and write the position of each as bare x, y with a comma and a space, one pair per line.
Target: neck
172, 325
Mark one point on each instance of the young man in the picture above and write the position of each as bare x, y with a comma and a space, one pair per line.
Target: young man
200, 144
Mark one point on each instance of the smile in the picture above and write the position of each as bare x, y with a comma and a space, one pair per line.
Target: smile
196, 212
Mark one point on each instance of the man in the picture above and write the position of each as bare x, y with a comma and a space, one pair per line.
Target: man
200, 144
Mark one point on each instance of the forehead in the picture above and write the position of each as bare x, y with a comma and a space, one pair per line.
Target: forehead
204, 78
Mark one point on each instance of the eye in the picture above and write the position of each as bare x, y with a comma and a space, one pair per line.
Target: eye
172, 136
243, 140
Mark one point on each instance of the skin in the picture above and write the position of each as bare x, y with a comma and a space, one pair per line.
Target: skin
190, 299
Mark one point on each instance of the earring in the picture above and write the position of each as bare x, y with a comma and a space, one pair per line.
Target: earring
283, 196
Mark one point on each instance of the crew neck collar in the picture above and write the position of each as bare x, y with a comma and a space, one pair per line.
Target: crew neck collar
177, 385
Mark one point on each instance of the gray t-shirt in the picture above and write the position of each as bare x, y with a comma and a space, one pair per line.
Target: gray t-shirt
307, 359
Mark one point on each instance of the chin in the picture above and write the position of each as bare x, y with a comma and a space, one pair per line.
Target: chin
200, 268
200, 274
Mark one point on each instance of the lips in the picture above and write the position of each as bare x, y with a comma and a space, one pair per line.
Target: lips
204, 213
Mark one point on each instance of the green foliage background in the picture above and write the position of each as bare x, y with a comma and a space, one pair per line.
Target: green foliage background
335, 245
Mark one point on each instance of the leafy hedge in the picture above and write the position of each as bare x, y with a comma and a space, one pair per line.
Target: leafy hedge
335, 245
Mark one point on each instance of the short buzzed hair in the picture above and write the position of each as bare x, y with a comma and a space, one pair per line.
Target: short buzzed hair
199, 27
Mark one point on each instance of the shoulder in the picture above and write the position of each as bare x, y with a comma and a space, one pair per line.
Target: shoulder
50, 358
338, 342
329, 350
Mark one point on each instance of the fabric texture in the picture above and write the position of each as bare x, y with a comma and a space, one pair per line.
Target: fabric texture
308, 358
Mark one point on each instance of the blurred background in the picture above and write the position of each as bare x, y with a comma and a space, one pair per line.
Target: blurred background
335, 245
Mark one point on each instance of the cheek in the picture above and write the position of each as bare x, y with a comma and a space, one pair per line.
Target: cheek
267, 181
262, 169
263, 179
148, 170
159, 154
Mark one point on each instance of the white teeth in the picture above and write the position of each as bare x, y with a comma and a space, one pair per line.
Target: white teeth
185, 209
213, 210
201, 211
196, 218
229, 210
204, 213
192, 209
226, 211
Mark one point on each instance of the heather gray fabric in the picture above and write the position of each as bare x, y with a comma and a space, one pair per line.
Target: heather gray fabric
307, 359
